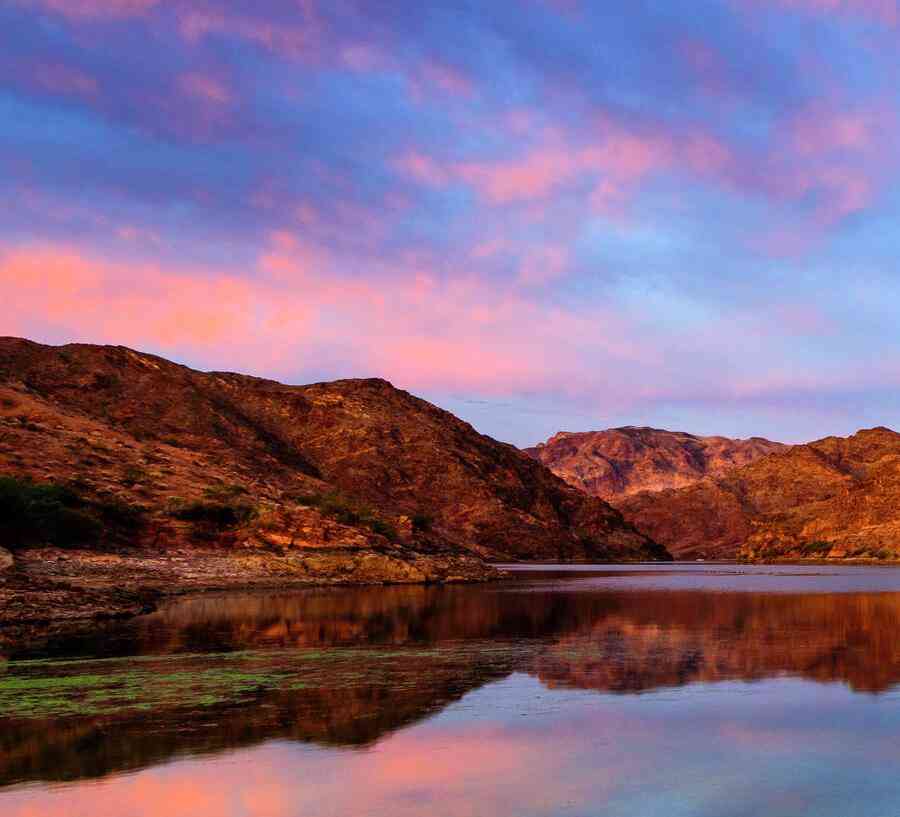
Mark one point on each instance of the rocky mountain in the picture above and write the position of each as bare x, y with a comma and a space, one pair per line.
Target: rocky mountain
619, 462
836, 498
346, 481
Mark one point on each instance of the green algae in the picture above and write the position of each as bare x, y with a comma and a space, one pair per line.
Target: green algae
54, 688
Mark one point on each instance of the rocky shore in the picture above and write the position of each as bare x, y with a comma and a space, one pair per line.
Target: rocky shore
51, 591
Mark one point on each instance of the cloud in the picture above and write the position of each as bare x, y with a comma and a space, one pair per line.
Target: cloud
206, 88
884, 11
408, 324
95, 9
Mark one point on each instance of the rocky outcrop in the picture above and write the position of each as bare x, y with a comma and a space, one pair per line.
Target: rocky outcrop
619, 462
112, 449
833, 498
6, 559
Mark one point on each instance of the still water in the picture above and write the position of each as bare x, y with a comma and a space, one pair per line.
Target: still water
711, 690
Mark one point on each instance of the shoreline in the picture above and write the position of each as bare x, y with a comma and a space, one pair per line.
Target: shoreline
50, 591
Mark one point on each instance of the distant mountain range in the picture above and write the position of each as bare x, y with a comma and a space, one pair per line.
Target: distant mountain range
621, 461
713, 497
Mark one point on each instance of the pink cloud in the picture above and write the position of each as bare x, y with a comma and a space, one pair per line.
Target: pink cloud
820, 130
609, 161
885, 11
707, 64
533, 176
422, 168
63, 79
430, 76
544, 264
301, 307
362, 57
828, 158
302, 39
490, 248
424, 328
96, 9
206, 88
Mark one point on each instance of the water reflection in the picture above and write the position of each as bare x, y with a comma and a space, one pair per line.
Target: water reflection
356, 669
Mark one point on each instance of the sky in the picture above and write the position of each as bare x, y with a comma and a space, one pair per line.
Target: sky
538, 214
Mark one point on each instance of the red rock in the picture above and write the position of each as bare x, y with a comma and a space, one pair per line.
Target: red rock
139, 431
622, 461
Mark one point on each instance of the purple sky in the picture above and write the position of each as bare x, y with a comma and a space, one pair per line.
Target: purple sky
539, 214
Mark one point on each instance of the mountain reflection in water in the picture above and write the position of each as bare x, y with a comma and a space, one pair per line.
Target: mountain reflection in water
351, 667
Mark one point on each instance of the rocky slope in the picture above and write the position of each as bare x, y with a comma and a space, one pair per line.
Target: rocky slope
110, 449
833, 498
619, 462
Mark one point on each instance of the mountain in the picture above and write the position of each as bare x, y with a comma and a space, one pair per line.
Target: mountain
619, 462
352, 480
836, 497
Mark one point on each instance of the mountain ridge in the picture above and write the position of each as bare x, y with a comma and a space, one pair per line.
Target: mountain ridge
837, 497
343, 481
617, 462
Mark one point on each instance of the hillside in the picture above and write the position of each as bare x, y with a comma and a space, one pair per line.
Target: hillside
836, 497
132, 455
619, 462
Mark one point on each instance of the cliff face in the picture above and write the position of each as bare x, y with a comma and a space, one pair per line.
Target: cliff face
619, 462
352, 480
836, 497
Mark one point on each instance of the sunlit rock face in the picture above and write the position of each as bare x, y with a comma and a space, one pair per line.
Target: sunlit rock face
717, 498
619, 462
833, 498
641, 472
349, 481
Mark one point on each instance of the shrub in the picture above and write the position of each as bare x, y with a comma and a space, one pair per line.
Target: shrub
122, 514
817, 548
422, 522
313, 500
214, 514
347, 512
384, 528
224, 492
134, 473
343, 510
42, 513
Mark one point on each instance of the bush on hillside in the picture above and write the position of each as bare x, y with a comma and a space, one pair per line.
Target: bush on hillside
817, 548
44, 513
216, 515
422, 522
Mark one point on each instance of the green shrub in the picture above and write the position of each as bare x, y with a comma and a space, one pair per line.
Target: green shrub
313, 500
817, 548
134, 473
224, 493
422, 522
343, 510
214, 514
384, 529
122, 515
348, 512
44, 513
